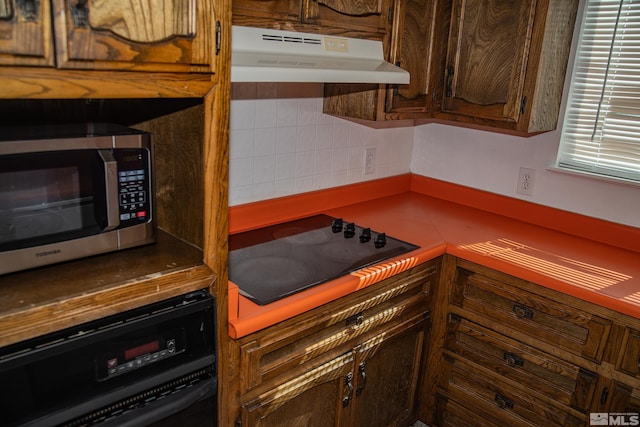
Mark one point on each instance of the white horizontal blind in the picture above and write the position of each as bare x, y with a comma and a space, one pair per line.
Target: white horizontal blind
601, 132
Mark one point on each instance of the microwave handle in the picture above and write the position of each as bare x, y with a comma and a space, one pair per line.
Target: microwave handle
111, 189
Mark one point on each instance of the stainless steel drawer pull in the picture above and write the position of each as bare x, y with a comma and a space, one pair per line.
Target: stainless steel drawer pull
522, 311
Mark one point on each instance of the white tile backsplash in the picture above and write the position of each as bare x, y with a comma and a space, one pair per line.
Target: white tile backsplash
282, 144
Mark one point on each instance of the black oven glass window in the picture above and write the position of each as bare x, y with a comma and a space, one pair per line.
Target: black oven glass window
48, 197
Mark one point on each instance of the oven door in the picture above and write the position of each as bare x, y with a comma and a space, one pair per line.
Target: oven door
131, 369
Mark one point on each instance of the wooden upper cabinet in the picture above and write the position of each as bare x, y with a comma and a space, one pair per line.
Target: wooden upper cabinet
415, 42
487, 59
25, 33
145, 35
506, 62
368, 15
362, 18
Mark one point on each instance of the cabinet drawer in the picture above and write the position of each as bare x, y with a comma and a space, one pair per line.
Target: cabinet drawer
325, 332
533, 369
629, 361
511, 310
463, 382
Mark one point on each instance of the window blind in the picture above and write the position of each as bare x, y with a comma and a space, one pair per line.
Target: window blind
601, 132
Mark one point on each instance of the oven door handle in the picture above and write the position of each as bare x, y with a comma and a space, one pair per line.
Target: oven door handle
172, 404
111, 189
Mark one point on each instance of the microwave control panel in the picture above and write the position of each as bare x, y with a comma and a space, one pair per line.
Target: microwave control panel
134, 186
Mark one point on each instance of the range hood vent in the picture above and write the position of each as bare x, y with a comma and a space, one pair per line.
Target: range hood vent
262, 55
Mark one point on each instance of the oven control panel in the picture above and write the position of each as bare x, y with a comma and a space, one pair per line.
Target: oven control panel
137, 354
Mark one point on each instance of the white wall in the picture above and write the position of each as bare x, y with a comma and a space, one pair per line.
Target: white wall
491, 161
282, 144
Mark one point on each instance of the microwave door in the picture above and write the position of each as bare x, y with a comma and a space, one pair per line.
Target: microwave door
51, 197
111, 189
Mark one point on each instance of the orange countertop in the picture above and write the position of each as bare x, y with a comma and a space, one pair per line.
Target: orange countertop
591, 259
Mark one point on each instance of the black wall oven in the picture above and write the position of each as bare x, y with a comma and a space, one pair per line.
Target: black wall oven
155, 365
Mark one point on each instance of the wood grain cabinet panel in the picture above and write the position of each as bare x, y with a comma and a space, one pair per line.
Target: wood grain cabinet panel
488, 53
362, 356
361, 18
149, 35
516, 311
279, 351
370, 16
629, 361
506, 62
357, 388
493, 399
539, 372
25, 33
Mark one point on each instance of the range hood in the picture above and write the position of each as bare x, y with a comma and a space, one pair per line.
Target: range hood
264, 55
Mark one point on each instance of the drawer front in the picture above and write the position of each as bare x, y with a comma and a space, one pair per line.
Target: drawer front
629, 361
510, 309
449, 413
463, 382
321, 335
533, 369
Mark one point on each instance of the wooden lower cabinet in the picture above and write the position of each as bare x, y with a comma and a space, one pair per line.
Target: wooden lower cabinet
354, 362
371, 385
511, 352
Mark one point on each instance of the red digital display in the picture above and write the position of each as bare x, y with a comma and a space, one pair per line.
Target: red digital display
134, 352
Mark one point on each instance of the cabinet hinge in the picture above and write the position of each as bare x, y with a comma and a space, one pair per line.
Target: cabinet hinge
523, 105
218, 37
237, 423
390, 16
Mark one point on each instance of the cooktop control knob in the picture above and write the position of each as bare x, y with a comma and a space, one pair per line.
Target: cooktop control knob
350, 230
380, 241
365, 235
336, 225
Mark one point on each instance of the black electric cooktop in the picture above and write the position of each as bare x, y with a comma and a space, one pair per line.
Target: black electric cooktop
273, 262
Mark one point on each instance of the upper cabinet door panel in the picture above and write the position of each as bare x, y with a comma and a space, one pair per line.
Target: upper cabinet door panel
487, 57
146, 35
370, 16
25, 33
258, 12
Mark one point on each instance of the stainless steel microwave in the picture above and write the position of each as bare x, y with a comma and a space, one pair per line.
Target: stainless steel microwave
71, 191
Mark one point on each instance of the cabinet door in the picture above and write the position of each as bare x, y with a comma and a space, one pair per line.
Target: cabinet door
412, 45
316, 398
266, 13
386, 377
365, 15
487, 58
25, 33
145, 35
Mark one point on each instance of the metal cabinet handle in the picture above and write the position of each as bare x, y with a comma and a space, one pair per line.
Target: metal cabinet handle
348, 381
449, 88
80, 13
503, 402
28, 10
604, 396
513, 360
356, 319
363, 379
522, 311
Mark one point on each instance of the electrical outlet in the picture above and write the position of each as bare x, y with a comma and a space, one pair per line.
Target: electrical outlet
526, 181
370, 161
